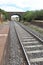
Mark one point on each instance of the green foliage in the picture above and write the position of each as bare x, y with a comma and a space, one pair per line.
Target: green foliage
5, 14
39, 15
33, 15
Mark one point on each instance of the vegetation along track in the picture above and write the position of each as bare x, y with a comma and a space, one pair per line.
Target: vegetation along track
32, 47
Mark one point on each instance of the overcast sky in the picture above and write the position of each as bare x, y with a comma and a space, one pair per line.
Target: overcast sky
21, 5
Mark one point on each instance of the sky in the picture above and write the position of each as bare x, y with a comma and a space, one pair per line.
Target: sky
21, 5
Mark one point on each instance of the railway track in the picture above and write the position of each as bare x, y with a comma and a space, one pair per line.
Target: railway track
15, 55
32, 47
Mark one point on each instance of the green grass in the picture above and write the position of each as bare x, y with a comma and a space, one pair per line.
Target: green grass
36, 28
40, 30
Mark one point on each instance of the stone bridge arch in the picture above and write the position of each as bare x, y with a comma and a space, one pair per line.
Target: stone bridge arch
16, 13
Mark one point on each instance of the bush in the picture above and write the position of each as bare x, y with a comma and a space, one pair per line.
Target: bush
5, 14
33, 15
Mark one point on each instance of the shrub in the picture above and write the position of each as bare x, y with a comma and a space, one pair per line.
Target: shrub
33, 15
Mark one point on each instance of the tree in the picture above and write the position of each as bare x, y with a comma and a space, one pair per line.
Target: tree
6, 16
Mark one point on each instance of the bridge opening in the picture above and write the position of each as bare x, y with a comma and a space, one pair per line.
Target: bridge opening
16, 17
20, 14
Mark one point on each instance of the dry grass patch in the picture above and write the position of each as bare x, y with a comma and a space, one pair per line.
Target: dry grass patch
33, 27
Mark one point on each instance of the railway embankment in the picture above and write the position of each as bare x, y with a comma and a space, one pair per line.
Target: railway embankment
38, 23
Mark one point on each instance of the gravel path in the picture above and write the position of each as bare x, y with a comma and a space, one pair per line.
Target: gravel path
15, 53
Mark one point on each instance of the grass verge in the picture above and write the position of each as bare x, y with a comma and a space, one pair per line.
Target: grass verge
33, 27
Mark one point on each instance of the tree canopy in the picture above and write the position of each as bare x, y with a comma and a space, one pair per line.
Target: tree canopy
5, 14
33, 15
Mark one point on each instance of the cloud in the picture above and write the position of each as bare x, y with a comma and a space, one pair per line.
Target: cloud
21, 5
12, 9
